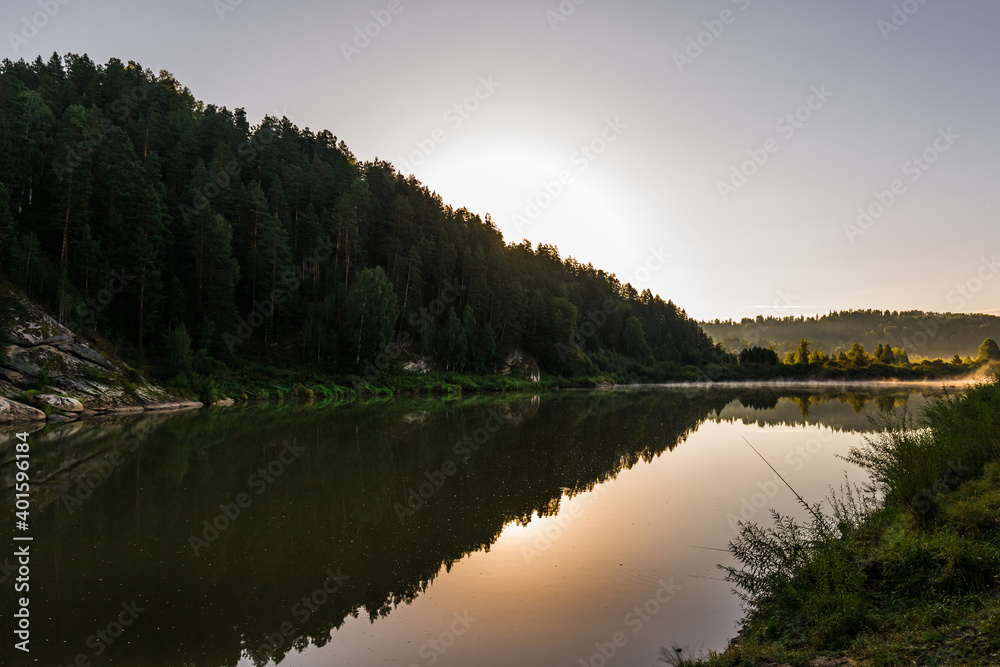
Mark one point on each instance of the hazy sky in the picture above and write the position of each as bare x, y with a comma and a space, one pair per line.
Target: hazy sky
739, 137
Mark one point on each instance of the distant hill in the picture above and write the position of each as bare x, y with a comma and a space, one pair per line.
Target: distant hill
922, 335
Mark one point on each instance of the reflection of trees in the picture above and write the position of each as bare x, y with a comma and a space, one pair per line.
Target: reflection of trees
839, 410
334, 508
803, 403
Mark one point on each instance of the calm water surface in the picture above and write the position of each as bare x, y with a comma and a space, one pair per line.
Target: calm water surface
531, 530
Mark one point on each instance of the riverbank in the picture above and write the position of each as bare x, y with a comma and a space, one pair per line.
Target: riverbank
910, 578
50, 373
78, 397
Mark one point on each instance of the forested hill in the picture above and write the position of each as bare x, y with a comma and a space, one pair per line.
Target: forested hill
932, 335
137, 213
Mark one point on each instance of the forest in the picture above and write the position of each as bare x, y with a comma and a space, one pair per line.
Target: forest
189, 241
922, 335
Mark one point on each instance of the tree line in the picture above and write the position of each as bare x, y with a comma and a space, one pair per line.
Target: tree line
923, 335
186, 236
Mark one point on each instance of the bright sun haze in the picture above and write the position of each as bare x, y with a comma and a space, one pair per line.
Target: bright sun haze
758, 144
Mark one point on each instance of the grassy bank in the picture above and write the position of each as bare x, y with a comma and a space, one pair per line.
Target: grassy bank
256, 382
904, 573
207, 379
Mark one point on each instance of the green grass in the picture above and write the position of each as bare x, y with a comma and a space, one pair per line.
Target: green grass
913, 578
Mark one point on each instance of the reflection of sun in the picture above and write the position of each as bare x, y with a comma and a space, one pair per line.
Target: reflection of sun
517, 534
541, 529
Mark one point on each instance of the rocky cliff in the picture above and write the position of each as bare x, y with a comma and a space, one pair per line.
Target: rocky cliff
48, 372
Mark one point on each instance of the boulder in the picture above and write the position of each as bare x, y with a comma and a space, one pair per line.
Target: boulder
224, 403
85, 353
58, 339
64, 403
13, 377
12, 411
418, 366
36, 328
19, 362
31, 361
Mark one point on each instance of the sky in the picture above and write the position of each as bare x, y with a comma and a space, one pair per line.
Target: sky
739, 157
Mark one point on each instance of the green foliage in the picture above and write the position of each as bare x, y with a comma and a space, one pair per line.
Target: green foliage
887, 579
274, 245
177, 347
8, 233
925, 335
453, 342
371, 313
801, 356
635, 339
989, 350
857, 356
758, 355
7, 302
914, 465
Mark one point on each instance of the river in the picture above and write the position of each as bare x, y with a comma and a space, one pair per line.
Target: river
578, 528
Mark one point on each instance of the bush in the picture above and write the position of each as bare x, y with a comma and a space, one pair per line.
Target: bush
886, 578
915, 464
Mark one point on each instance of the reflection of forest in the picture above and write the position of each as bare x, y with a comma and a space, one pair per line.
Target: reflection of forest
841, 411
331, 509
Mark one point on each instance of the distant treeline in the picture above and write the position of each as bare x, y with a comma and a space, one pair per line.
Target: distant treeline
922, 335
186, 236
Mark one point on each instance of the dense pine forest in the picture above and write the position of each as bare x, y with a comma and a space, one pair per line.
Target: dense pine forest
922, 335
188, 238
